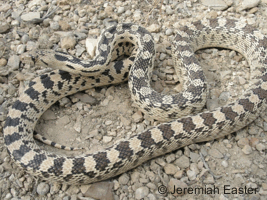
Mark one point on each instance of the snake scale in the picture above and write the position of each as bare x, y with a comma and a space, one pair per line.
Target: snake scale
138, 44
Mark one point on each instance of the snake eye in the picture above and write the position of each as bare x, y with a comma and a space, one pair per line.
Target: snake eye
34, 58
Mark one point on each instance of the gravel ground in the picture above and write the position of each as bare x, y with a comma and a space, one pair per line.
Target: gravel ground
98, 117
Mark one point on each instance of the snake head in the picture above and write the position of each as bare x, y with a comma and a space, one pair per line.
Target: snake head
37, 57
30, 58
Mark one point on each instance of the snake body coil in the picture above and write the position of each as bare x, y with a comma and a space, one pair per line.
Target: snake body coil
166, 137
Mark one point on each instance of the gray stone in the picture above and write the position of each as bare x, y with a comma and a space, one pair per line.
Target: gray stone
44, 42
151, 197
182, 162
212, 103
169, 10
16, 14
68, 42
85, 98
135, 176
11, 89
64, 102
42, 189
253, 130
265, 126
223, 98
5, 7
79, 50
54, 25
82, 13
170, 158
141, 192
3, 62
260, 147
13, 62
191, 175
242, 142
209, 179
125, 121
162, 56
194, 157
66, 198
100, 190
124, 179
137, 117
55, 187
170, 169
215, 153
30, 45
49, 115
80, 36
4, 28
63, 120
247, 149
25, 38
1, 99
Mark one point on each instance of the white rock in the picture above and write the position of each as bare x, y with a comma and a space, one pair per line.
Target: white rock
121, 10
137, 15
30, 16
215, 4
224, 163
154, 28
5, 7
91, 46
108, 122
34, 3
169, 31
247, 4
191, 175
21, 48
128, 13
107, 139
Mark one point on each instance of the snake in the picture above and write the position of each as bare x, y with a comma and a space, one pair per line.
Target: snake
136, 45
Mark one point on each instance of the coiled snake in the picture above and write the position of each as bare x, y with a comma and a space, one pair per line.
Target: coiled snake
105, 69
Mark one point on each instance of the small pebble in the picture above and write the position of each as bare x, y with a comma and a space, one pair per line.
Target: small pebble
247, 149
121, 10
43, 188
141, 192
